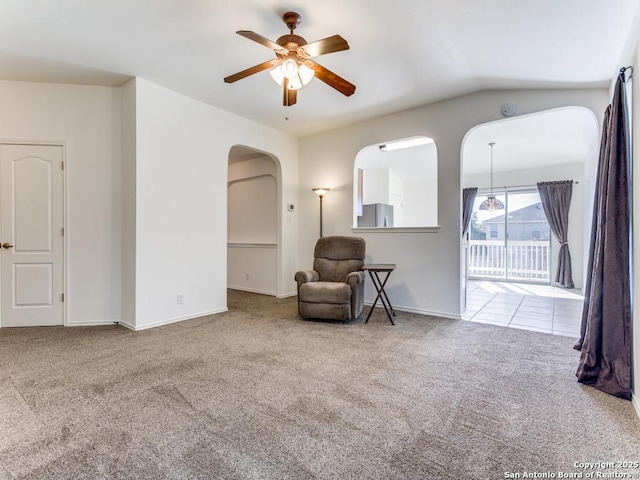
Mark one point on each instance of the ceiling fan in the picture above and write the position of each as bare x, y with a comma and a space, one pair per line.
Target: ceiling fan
292, 68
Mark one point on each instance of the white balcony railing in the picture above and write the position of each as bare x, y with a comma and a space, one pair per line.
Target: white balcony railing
517, 260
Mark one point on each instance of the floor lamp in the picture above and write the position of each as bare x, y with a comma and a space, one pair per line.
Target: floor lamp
321, 192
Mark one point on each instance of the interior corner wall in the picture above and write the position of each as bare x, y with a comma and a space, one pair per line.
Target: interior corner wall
128, 112
86, 119
182, 148
427, 278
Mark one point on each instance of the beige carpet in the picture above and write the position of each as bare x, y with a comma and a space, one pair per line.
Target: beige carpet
259, 393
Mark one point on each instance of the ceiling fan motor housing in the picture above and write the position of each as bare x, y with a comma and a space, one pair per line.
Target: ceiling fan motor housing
292, 20
291, 42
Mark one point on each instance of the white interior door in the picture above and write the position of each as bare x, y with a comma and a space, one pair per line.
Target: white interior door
32, 253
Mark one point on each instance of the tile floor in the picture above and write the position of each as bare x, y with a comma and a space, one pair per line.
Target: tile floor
541, 308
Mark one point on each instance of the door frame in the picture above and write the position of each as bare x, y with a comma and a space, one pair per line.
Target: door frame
65, 244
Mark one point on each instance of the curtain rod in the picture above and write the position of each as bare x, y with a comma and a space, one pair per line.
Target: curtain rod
624, 69
535, 186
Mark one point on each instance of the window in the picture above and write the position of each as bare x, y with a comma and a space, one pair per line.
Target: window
513, 243
396, 184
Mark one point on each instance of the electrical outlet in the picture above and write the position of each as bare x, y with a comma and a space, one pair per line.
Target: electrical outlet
180, 298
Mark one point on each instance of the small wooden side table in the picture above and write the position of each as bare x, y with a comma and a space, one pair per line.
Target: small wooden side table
374, 270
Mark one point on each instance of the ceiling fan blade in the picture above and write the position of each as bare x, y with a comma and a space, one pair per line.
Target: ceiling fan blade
289, 97
250, 71
256, 37
326, 45
333, 80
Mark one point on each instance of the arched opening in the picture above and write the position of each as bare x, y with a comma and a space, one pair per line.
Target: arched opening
253, 221
396, 184
509, 256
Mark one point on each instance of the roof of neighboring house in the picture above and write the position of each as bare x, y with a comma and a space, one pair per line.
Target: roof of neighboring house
531, 214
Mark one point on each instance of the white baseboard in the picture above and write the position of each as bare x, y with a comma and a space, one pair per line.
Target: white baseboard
287, 295
130, 327
263, 292
251, 290
636, 404
173, 320
92, 324
431, 313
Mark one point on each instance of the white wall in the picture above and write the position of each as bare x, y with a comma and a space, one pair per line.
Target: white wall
636, 235
252, 210
87, 120
182, 148
418, 200
635, 136
252, 268
376, 186
631, 56
428, 275
128, 243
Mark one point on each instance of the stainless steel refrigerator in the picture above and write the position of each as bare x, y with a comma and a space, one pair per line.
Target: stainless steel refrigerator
376, 215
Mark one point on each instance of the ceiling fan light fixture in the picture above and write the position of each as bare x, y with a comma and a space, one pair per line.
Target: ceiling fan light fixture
292, 67
289, 68
304, 76
277, 75
305, 73
294, 83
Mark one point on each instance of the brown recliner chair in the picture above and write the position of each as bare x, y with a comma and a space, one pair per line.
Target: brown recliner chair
334, 289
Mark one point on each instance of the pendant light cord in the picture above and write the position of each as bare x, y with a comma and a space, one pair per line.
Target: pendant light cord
491, 144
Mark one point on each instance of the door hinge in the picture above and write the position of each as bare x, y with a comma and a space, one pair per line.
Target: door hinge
62, 165
62, 231
63, 297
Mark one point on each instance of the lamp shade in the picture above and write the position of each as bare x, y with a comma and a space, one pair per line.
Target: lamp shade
290, 68
321, 191
294, 83
305, 73
491, 203
277, 75
298, 75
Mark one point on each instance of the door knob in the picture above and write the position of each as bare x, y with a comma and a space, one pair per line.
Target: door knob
7, 245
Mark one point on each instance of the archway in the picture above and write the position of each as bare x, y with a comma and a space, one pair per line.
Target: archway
253, 220
558, 144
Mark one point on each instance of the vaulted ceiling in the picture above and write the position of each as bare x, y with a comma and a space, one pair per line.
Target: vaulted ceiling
402, 54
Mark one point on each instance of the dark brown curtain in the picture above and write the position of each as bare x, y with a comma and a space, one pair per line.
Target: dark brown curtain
556, 200
468, 197
605, 362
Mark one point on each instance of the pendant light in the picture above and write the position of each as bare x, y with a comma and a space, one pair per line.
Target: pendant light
491, 203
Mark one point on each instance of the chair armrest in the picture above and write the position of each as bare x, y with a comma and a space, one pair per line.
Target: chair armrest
355, 277
355, 280
304, 276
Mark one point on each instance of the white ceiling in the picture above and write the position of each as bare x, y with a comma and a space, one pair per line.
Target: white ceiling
403, 53
554, 137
